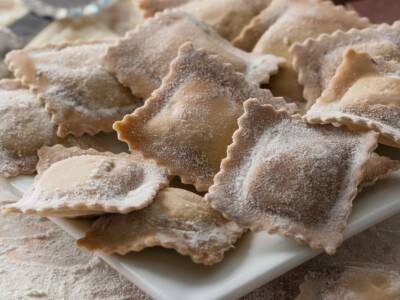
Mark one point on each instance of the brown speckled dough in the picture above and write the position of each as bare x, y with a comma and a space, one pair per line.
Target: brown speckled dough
363, 94
177, 219
141, 59
188, 122
283, 175
74, 182
68, 79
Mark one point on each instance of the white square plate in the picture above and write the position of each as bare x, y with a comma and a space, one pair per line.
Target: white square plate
256, 260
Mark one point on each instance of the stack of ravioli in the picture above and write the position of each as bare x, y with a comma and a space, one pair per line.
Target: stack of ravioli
239, 115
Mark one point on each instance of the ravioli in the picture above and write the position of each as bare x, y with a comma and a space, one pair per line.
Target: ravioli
73, 182
75, 89
288, 177
177, 219
141, 59
364, 94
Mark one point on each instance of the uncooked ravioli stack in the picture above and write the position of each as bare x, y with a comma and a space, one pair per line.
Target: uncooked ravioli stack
248, 116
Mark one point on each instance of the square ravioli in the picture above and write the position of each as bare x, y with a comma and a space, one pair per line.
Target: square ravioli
76, 90
364, 94
187, 124
72, 182
25, 126
286, 22
141, 59
316, 60
286, 176
177, 219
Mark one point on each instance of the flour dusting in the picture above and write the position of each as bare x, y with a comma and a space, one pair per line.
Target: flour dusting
40, 261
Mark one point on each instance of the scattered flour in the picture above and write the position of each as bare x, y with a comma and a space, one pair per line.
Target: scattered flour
40, 261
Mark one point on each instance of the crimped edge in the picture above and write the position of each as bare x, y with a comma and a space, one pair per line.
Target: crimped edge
299, 51
292, 231
350, 120
100, 208
255, 76
62, 131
